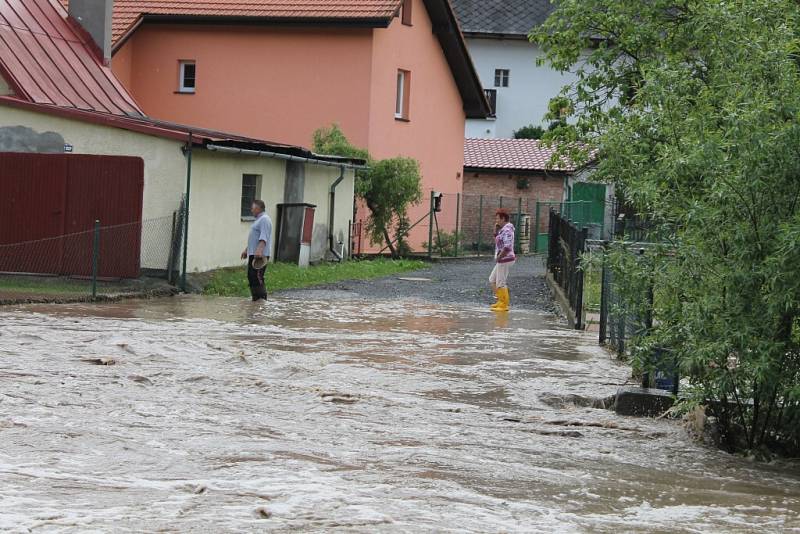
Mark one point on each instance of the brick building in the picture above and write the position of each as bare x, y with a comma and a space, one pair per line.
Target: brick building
511, 174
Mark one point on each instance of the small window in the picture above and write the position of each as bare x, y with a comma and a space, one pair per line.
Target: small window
501, 77
403, 94
406, 12
188, 77
251, 183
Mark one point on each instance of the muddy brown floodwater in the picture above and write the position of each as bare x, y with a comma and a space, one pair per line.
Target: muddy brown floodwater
329, 413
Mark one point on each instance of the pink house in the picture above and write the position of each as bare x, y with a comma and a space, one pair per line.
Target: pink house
394, 74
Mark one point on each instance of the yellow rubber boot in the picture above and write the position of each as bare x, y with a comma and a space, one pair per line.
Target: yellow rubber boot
499, 300
504, 300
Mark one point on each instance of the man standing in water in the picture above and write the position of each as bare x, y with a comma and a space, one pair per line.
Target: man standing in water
259, 245
504, 258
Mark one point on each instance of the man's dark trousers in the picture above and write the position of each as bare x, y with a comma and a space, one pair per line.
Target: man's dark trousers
255, 277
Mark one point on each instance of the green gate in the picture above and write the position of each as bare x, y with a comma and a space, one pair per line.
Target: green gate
583, 212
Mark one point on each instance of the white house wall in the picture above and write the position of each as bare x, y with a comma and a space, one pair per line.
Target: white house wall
525, 100
217, 232
317, 191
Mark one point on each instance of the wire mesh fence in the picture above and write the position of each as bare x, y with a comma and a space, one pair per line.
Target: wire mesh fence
104, 260
464, 224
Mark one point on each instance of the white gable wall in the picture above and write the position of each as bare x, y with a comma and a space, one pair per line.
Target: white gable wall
531, 87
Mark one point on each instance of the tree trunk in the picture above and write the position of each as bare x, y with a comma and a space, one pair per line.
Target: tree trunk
389, 243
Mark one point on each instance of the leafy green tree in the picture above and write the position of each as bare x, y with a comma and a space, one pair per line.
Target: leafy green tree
388, 188
694, 107
529, 132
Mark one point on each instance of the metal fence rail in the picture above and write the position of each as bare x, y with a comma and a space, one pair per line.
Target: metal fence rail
108, 259
464, 224
566, 245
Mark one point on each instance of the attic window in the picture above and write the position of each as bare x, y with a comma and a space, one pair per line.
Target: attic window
188, 76
501, 77
406, 12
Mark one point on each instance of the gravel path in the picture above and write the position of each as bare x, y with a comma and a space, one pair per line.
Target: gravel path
452, 281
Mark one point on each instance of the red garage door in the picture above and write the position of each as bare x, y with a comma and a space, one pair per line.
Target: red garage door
48, 205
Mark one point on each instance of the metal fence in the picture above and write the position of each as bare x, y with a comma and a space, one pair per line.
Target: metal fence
464, 224
566, 244
619, 321
106, 260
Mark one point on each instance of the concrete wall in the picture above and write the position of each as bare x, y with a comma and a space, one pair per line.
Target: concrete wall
217, 231
530, 88
317, 192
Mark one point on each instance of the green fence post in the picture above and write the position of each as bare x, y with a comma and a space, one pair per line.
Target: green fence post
430, 227
519, 225
536, 226
480, 224
95, 255
458, 215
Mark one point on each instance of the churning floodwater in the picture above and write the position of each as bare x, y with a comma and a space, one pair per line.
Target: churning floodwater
329, 413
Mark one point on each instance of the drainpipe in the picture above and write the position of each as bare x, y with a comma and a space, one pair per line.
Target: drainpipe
186, 210
331, 213
278, 155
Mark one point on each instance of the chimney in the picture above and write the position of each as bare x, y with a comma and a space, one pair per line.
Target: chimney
95, 18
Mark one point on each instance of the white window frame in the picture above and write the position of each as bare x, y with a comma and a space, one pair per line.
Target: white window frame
501, 76
245, 215
182, 88
400, 99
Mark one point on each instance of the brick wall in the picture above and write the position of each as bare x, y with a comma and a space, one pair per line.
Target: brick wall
496, 190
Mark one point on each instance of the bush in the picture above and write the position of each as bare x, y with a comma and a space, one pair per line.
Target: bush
444, 243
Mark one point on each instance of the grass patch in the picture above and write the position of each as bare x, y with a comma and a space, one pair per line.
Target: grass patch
233, 282
592, 288
44, 286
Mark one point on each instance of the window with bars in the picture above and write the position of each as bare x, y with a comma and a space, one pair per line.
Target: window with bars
250, 186
501, 77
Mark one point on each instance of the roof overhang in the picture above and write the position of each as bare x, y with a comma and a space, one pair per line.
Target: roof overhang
496, 35
524, 172
447, 30
226, 20
200, 137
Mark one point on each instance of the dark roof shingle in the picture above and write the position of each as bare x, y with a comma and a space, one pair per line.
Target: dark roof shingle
501, 17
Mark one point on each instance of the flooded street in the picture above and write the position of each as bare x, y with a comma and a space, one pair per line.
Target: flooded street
333, 413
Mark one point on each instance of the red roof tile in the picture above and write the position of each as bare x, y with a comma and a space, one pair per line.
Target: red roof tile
127, 12
48, 61
511, 154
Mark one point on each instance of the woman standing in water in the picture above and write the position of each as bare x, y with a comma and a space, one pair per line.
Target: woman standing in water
504, 258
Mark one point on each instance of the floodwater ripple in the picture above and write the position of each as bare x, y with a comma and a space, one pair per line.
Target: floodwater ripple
207, 414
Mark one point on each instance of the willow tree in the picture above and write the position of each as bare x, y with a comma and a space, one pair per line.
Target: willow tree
694, 106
